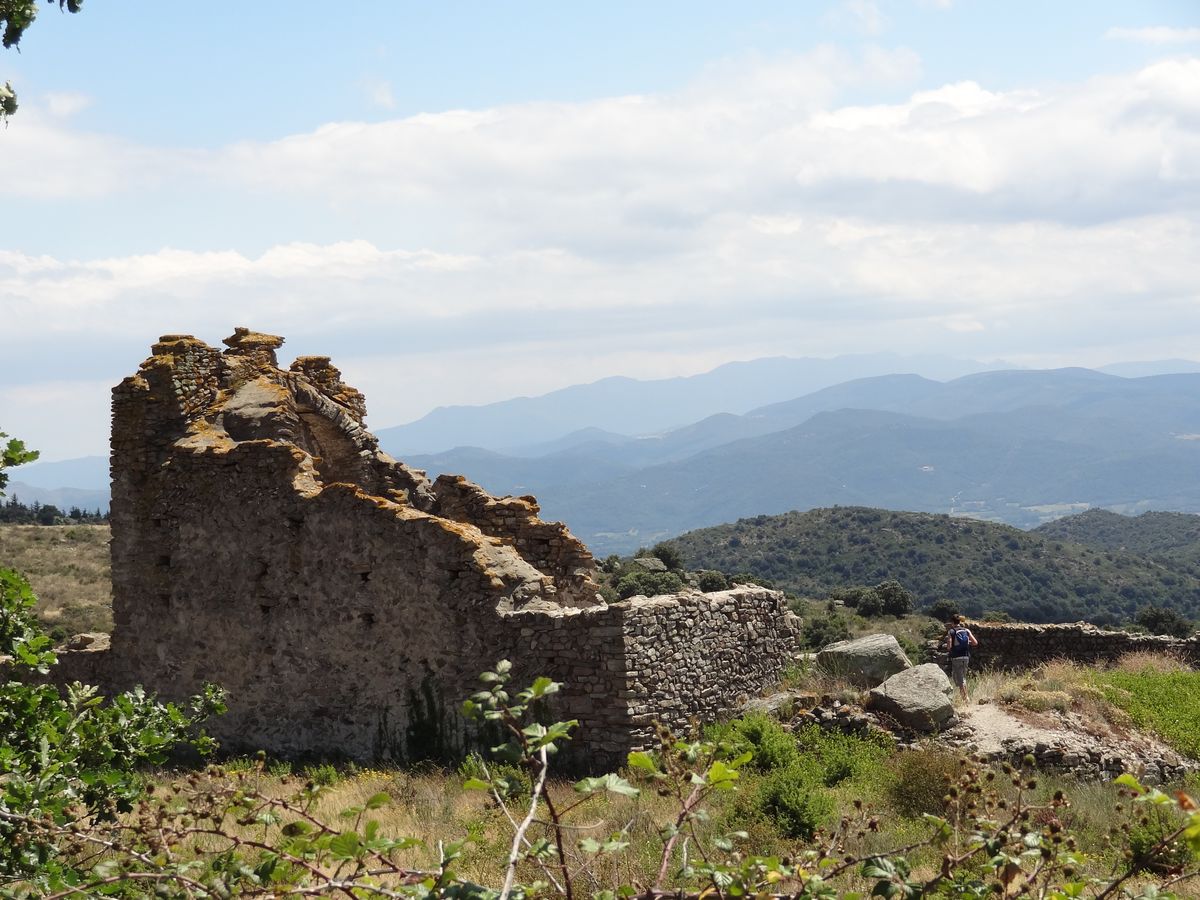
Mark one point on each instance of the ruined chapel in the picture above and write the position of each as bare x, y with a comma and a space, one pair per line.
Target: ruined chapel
262, 541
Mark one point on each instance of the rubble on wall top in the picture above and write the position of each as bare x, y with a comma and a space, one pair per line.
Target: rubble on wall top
245, 339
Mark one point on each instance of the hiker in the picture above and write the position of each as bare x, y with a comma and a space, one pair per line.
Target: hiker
959, 641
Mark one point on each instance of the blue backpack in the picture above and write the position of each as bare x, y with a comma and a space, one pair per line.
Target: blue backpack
961, 643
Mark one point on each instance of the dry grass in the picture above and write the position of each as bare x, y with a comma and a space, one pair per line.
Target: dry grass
432, 807
68, 567
1145, 661
1058, 685
810, 678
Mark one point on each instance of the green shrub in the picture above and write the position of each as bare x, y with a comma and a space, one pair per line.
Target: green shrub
322, 775
648, 583
794, 802
916, 653
709, 580
1155, 824
943, 610
510, 781
850, 596
821, 631
773, 747
670, 556
1159, 620
922, 778
870, 605
840, 757
895, 600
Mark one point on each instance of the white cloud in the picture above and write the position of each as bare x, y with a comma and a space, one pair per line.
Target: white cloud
523, 247
1155, 34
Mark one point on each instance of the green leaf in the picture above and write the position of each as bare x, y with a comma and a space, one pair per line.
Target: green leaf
612, 783
378, 801
476, 784
346, 845
639, 759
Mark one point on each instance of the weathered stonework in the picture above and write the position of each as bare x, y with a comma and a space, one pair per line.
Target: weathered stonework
1019, 646
262, 541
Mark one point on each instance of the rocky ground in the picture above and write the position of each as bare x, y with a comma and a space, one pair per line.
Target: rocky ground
1062, 740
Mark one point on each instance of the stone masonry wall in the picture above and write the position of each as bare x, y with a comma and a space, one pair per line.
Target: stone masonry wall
1020, 646
674, 660
262, 541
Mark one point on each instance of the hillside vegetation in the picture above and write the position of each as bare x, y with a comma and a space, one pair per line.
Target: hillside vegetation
1173, 535
980, 566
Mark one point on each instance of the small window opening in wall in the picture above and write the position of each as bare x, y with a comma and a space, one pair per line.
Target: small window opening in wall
164, 560
365, 576
367, 618
164, 599
265, 608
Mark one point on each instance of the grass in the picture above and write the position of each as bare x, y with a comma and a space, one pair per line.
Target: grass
1153, 691
1159, 695
432, 806
68, 567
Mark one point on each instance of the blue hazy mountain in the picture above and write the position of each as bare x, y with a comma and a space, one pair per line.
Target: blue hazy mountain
627, 406
85, 473
1021, 447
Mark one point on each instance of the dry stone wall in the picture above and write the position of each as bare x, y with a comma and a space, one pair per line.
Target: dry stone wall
262, 541
673, 660
1021, 646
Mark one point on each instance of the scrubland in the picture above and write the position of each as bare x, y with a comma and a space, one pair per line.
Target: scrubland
68, 567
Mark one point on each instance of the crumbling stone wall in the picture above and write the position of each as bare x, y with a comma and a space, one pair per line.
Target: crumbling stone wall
262, 541
1021, 646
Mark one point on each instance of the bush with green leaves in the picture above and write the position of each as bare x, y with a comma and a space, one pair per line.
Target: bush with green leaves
922, 781
70, 757
669, 555
943, 610
649, 583
894, 599
709, 580
821, 631
771, 746
1161, 620
794, 802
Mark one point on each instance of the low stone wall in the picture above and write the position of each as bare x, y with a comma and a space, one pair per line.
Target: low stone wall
670, 660
1020, 646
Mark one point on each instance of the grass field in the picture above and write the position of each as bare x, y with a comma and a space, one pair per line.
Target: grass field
68, 567
1166, 703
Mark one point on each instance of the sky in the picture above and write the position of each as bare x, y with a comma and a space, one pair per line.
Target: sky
465, 202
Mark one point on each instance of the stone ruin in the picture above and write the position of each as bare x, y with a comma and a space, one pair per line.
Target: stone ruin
262, 541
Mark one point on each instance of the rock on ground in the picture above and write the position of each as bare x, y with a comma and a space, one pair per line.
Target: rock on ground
866, 661
918, 698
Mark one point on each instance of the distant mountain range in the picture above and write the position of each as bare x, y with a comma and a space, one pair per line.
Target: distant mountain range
981, 566
627, 406
1017, 446
1021, 447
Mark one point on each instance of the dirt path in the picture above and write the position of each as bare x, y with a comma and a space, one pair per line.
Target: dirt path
1061, 740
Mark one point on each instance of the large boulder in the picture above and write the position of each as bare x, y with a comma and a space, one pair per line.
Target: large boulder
866, 661
918, 698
